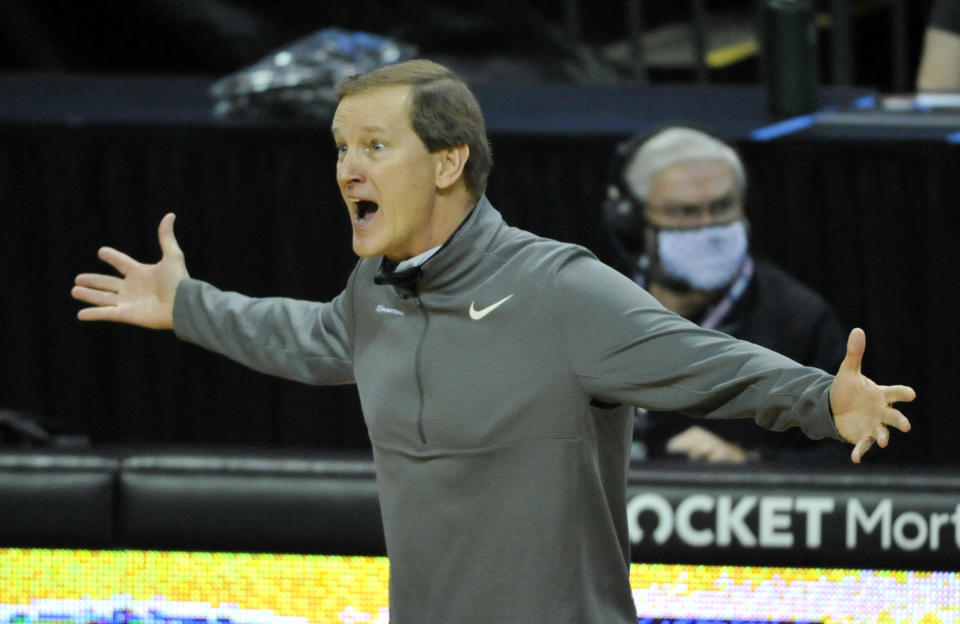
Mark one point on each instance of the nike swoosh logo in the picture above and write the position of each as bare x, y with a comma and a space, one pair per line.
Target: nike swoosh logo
479, 314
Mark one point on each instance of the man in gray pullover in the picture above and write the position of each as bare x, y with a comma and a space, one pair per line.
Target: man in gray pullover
497, 370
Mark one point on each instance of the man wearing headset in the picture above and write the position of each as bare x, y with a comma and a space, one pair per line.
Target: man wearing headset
675, 211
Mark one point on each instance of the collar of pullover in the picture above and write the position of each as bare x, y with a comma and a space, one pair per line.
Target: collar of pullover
454, 258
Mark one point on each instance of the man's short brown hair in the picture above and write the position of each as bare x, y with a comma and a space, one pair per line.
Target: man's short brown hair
443, 111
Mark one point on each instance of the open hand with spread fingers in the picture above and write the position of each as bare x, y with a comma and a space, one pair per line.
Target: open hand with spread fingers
143, 293
863, 410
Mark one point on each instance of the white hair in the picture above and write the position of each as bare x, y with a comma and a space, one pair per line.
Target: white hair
674, 145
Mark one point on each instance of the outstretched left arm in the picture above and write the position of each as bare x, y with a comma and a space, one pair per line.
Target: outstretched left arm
862, 410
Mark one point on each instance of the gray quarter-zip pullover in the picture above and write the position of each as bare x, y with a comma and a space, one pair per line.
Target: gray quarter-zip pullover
498, 395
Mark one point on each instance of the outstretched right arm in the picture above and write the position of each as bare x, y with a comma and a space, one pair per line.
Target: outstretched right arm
143, 294
301, 340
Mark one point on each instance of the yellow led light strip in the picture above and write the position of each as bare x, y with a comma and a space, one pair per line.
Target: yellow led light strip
312, 587
71, 586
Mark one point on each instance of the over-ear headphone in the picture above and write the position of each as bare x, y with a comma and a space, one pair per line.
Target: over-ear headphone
622, 209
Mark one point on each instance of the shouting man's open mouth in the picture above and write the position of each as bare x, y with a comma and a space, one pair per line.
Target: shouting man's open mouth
364, 211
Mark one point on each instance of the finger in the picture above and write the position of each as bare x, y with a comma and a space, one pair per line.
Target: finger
860, 449
680, 443
93, 296
856, 344
882, 435
693, 451
117, 259
675, 445
722, 454
696, 455
896, 419
168, 241
895, 394
682, 447
716, 456
702, 450
104, 313
98, 281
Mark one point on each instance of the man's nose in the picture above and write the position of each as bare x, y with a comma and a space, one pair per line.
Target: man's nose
349, 169
703, 217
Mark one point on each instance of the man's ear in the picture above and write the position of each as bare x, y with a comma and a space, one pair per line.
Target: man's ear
450, 164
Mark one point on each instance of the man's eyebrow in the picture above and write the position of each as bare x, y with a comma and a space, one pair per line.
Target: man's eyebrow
368, 129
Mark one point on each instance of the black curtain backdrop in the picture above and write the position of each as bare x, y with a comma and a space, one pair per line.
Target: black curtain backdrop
255, 214
870, 223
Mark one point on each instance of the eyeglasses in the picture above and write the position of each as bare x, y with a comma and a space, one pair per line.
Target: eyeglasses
722, 209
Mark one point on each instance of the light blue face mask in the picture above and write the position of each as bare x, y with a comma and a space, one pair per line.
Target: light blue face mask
706, 258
